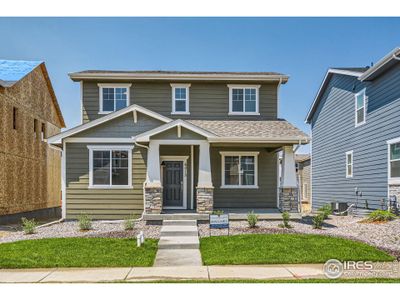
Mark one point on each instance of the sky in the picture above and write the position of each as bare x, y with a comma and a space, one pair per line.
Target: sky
303, 48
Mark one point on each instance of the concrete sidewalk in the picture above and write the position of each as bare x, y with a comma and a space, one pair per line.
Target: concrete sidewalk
260, 272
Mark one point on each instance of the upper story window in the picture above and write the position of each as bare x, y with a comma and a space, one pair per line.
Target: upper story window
243, 99
349, 164
360, 107
180, 98
113, 97
394, 161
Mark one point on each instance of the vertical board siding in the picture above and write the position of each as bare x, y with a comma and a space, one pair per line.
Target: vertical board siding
206, 100
263, 197
334, 133
102, 203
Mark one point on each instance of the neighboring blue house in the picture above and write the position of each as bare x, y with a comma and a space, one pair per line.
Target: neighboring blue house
355, 123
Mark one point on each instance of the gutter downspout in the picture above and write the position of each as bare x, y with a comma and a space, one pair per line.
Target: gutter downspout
144, 183
396, 57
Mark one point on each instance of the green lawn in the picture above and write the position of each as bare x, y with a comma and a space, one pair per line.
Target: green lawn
284, 249
77, 252
313, 280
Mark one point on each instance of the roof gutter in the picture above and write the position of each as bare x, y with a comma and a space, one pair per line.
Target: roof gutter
380, 64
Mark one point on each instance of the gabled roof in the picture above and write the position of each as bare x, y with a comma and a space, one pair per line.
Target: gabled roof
179, 75
355, 72
382, 65
145, 136
57, 139
12, 71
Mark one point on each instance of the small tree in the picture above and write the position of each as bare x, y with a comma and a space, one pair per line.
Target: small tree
252, 219
28, 226
318, 220
85, 222
286, 219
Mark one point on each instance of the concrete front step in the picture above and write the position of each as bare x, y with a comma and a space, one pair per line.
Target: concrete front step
178, 257
180, 222
179, 242
172, 216
175, 230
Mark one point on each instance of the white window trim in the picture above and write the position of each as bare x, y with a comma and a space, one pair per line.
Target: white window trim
363, 91
185, 86
394, 180
110, 148
112, 85
243, 86
352, 164
239, 153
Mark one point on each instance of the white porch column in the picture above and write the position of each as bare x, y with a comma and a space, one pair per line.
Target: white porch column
205, 189
204, 179
153, 164
288, 168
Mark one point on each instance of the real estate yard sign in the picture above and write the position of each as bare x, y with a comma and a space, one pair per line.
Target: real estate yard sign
219, 222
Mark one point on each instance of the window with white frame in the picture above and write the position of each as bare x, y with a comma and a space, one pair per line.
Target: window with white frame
110, 166
180, 98
394, 161
113, 97
243, 99
360, 111
349, 164
239, 169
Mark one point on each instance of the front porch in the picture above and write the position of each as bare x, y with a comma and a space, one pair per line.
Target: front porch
235, 214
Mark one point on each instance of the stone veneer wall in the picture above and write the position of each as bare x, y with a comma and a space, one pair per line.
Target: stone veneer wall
153, 200
205, 200
288, 199
394, 189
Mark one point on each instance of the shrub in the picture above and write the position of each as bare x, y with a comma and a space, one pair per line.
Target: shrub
28, 226
252, 219
318, 220
325, 210
218, 212
380, 215
129, 223
85, 222
286, 219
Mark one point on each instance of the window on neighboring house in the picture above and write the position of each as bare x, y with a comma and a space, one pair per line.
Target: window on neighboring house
43, 132
239, 169
394, 161
113, 97
243, 100
180, 98
15, 116
110, 167
360, 113
349, 164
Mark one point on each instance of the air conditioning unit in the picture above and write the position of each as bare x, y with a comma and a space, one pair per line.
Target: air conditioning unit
339, 207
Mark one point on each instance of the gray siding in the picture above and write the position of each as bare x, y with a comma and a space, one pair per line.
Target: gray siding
122, 127
207, 100
263, 197
334, 133
102, 203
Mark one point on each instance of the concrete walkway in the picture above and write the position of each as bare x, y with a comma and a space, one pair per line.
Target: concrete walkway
178, 244
204, 273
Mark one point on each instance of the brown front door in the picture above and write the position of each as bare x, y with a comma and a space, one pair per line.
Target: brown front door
173, 184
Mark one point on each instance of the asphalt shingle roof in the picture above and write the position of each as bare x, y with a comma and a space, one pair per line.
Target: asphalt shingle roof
268, 129
177, 72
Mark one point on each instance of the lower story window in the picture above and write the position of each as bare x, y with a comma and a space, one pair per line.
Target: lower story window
394, 159
110, 167
239, 169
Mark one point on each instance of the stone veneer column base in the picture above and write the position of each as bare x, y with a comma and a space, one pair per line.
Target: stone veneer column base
153, 199
205, 200
394, 190
288, 199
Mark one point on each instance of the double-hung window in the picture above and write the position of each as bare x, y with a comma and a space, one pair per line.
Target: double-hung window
239, 169
243, 99
113, 97
349, 164
394, 161
360, 108
180, 98
110, 166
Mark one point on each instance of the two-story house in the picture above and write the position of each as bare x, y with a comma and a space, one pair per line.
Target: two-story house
355, 123
168, 141
30, 173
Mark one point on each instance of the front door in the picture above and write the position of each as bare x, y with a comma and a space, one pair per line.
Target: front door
173, 184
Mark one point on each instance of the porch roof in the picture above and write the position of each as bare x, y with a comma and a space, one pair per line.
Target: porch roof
266, 130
